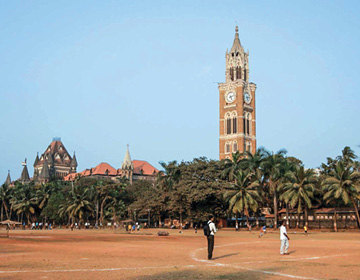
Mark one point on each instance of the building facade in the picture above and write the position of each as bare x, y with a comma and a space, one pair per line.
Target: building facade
237, 104
132, 170
55, 162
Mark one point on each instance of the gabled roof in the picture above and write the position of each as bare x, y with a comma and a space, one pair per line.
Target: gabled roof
144, 168
104, 169
56, 154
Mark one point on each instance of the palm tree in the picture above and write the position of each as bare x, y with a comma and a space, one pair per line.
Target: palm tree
243, 194
299, 191
5, 195
272, 166
77, 204
24, 202
343, 184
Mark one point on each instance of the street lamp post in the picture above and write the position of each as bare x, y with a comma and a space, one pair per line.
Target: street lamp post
149, 218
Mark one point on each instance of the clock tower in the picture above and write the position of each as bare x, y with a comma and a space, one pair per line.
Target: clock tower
237, 104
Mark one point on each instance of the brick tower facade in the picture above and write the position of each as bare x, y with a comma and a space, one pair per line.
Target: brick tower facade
237, 104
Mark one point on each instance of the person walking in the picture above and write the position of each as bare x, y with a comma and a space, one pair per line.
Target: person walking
284, 238
210, 236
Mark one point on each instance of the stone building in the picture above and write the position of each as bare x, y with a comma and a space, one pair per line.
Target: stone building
55, 162
131, 169
237, 104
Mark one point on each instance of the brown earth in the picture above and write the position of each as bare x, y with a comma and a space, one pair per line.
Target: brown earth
105, 254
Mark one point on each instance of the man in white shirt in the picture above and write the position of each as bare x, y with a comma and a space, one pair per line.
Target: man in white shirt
210, 238
284, 238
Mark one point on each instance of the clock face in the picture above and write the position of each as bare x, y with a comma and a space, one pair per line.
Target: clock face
247, 98
230, 97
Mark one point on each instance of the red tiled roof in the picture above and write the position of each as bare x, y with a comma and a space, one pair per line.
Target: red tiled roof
104, 169
140, 167
143, 167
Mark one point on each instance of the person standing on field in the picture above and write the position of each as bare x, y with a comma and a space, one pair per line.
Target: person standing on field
210, 237
284, 238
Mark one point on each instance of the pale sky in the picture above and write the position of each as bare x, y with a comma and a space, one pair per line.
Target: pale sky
103, 74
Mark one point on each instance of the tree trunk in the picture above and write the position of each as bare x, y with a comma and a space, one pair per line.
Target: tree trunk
335, 216
297, 220
306, 216
102, 209
247, 222
356, 212
275, 208
2, 212
287, 216
97, 212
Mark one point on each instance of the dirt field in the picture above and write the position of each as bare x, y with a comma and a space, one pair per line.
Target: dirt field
94, 254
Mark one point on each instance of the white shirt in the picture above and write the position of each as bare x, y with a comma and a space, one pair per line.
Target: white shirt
282, 233
212, 227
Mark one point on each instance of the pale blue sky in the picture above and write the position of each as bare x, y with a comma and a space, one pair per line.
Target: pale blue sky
103, 74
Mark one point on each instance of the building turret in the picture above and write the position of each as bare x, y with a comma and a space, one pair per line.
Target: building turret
45, 173
25, 173
237, 61
8, 179
127, 166
73, 164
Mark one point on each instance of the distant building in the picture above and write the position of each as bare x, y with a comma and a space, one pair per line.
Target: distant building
131, 169
55, 162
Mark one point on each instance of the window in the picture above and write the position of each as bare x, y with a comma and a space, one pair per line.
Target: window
232, 74
234, 122
238, 72
227, 123
227, 148
235, 147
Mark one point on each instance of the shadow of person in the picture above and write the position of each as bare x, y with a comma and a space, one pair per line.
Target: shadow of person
225, 256
292, 252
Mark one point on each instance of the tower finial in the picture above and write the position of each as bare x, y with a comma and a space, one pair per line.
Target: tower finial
236, 29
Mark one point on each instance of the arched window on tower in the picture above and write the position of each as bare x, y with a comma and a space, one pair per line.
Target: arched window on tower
245, 74
247, 124
238, 72
227, 148
232, 73
234, 122
227, 124
235, 147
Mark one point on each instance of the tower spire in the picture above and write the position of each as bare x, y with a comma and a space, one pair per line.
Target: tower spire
8, 179
236, 45
127, 163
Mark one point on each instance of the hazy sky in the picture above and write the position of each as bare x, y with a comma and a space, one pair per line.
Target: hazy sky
103, 74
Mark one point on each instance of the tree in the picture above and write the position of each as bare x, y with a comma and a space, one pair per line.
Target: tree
77, 204
299, 191
272, 166
343, 184
243, 194
24, 201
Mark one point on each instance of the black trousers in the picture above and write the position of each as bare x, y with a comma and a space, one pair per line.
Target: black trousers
210, 240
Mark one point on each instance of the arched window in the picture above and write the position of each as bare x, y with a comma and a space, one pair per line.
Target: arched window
232, 74
238, 72
227, 124
227, 148
245, 74
247, 123
235, 147
234, 122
